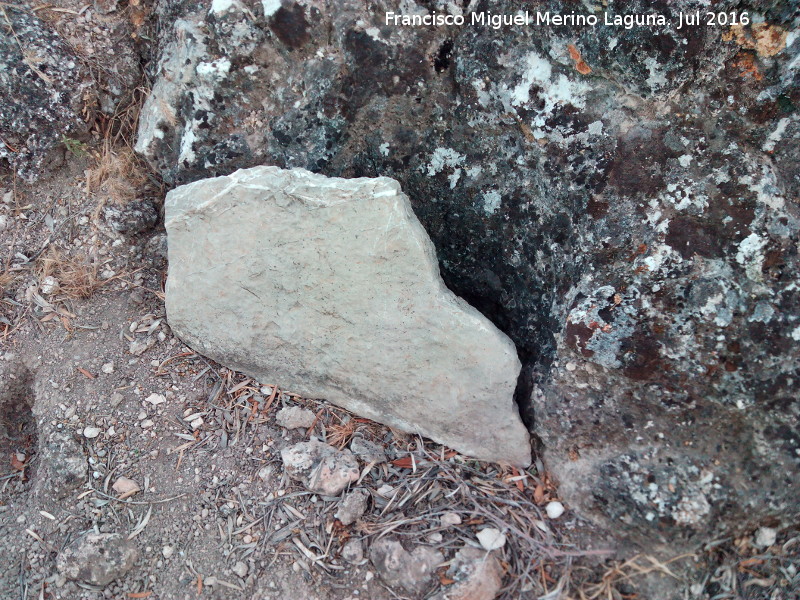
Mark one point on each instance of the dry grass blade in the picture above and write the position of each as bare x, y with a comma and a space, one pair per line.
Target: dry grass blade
77, 276
117, 174
6, 279
622, 572
340, 434
142, 524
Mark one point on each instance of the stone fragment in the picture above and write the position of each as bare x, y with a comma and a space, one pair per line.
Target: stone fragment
91, 432
403, 570
320, 467
294, 417
342, 299
125, 486
240, 568
49, 285
367, 451
98, 558
450, 519
477, 575
352, 506
353, 551
554, 509
62, 463
765, 537
141, 345
131, 218
491, 538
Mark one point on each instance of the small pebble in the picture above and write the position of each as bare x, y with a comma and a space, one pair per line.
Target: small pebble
240, 569
765, 537
91, 432
554, 509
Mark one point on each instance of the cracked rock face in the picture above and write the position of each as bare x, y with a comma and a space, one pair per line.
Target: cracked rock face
621, 202
331, 288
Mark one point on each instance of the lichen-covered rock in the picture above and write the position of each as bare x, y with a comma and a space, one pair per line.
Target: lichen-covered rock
352, 506
475, 575
621, 201
97, 558
320, 467
404, 571
339, 287
43, 84
62, 465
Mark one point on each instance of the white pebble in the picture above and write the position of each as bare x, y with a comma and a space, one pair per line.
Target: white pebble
554, 509
765, 537
491, 539
91, 432
155, 399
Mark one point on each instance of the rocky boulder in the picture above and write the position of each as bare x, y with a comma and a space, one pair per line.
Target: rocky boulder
330, 287
43, 82
621, 201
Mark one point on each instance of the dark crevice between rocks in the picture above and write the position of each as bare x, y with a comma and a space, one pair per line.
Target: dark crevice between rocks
18, 430
535, 364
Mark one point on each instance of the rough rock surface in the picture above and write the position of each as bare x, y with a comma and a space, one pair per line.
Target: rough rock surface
64, 464
98, 558
339, 287
403, 570
43, 83
352, 506
629, 217
320, 467
476, 575
294, 417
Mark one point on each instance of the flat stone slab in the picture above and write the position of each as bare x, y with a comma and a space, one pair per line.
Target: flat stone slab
330, 288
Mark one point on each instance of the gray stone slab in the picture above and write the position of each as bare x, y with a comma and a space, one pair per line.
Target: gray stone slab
330, 288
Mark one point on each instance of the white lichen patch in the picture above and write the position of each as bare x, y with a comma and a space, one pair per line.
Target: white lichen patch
660, 256
220, 6
776, 135
751, 255
766, 188
559, 91
763, 312
214, 70
443, 158
270, 7
686, 197
691, 510
657, 79
491, 201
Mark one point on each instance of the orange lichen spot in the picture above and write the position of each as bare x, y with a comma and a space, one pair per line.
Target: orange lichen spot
580, 64
746, 63
767, 40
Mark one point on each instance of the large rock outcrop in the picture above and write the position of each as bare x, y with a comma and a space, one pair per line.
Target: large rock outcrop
622, 202
330, 288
